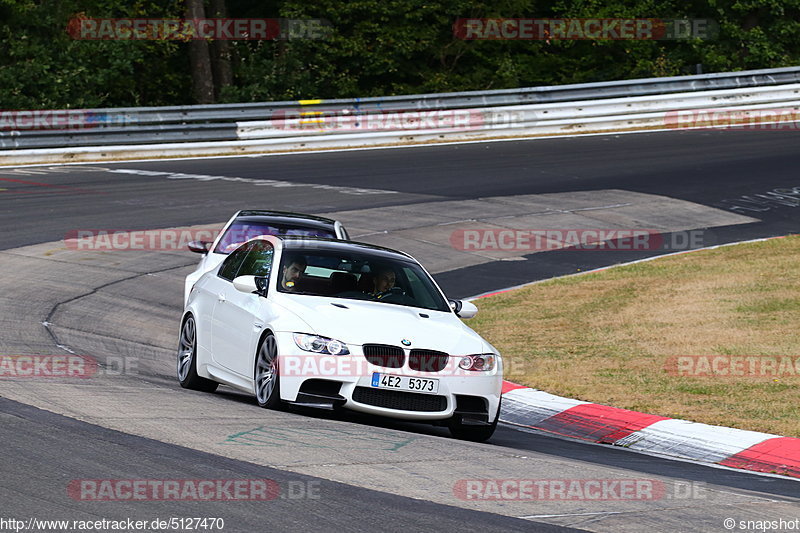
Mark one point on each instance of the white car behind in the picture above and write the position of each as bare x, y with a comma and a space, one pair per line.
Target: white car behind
246, 224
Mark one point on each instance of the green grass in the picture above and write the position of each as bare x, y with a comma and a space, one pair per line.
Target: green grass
606, 337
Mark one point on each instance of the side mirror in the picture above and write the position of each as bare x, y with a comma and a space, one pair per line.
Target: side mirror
251, 285
199, 247
463, 309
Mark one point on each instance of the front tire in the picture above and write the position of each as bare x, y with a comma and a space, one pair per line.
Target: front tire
473, 433
187, 360
267, 380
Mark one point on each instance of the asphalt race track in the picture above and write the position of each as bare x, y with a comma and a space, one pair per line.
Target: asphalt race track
122, 308
712, 168
95, 449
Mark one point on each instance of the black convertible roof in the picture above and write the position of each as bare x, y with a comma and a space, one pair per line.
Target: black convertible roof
255, 215
295, 242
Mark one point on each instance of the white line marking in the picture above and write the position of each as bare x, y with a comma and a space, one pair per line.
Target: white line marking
358, 191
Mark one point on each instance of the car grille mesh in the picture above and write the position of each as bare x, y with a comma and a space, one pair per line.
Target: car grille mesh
402, 401
384, 355
427, 360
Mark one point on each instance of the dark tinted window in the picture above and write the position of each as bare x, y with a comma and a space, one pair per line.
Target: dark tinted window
243, 231
231, 265
355, 274
258, 261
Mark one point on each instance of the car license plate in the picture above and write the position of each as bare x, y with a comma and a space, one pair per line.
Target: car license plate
405, 383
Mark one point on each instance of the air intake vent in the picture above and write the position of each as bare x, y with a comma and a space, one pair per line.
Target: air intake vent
427, 360
402, 401
384, 355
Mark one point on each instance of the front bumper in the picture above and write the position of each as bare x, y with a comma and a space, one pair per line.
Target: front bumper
348, 378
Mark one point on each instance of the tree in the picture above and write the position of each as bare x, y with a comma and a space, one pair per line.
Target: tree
44, 67
220, 53
200, 59
374, 48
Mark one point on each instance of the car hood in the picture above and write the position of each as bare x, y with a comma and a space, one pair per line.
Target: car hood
381, 323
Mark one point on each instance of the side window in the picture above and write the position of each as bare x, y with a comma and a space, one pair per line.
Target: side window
232, 263
258, 261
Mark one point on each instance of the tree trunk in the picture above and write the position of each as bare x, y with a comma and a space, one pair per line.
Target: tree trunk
220, 52
199, 59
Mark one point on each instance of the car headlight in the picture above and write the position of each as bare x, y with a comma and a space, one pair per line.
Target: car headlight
317, 344
478, 363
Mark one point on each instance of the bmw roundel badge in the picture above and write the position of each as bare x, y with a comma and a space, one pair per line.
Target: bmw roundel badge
406, 342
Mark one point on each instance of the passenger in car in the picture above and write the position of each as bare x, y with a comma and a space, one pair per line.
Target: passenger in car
384, 281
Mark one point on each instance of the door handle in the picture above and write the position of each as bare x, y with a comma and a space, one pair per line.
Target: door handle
221, 298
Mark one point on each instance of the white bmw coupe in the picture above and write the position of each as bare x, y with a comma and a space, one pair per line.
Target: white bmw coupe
329, 323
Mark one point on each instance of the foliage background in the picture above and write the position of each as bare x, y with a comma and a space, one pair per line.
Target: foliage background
376, 48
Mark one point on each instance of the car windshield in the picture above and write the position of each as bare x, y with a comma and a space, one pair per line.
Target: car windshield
356, 275
241, 231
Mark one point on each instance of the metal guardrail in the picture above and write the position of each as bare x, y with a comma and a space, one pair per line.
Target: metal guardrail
252, 121
534, 115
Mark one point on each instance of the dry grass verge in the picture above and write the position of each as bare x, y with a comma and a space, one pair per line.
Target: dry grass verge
612, 337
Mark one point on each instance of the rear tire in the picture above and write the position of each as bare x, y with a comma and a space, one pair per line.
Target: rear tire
187, 360
473, 433
267, 379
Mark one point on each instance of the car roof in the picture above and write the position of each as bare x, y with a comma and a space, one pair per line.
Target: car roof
296, 242
260, 215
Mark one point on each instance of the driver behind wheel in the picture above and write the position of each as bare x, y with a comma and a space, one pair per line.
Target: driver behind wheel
293, 268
